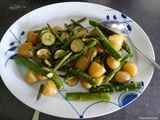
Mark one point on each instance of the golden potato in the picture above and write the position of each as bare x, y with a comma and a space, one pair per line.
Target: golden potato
116, 40
122, 77
50, 89
26, 50
82, 63
112, 63
91, 53
85, 84
96, 70
131, 68
99, 79
57, 29
100, 50
31, 77
32, 37
64, 36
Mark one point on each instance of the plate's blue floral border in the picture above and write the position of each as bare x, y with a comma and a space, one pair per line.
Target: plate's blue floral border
124, 98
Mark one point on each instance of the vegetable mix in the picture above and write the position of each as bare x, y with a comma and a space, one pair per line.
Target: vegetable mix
92, 57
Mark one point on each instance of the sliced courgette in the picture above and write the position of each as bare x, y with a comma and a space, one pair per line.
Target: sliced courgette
77, 45
59, 53
71, 80
81, 32
47, 38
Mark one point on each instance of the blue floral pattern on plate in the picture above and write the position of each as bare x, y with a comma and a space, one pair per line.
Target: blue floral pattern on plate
122, 18
13, 46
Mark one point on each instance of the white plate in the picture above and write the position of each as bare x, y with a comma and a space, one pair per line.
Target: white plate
58, 14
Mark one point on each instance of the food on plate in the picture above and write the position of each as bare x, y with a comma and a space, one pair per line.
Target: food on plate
92, 56
131, 68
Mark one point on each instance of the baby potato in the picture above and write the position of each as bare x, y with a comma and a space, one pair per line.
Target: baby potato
91, 53
50, 89
112, 63
96, 70
32, 37
122, 77
26, 49
131, 68
40, 77
64, 36
85, 84
116, 40
99, 49
57, 29
31, 77
99, 80
82, 63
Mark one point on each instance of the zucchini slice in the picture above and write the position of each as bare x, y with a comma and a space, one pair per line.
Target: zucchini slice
77, 45
59, 53
47, 38
71, 80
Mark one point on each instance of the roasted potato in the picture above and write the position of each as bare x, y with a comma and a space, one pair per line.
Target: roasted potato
96, 70
50, 89
32, 37
26, 50
131, 68
31, 77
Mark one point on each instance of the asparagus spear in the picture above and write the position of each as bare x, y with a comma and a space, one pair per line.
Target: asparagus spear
58, 65
109, 76
40, 91
105, 43
55, 78
84, 76
120, 87
126, 47
88, 96
30, 65
96, 24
